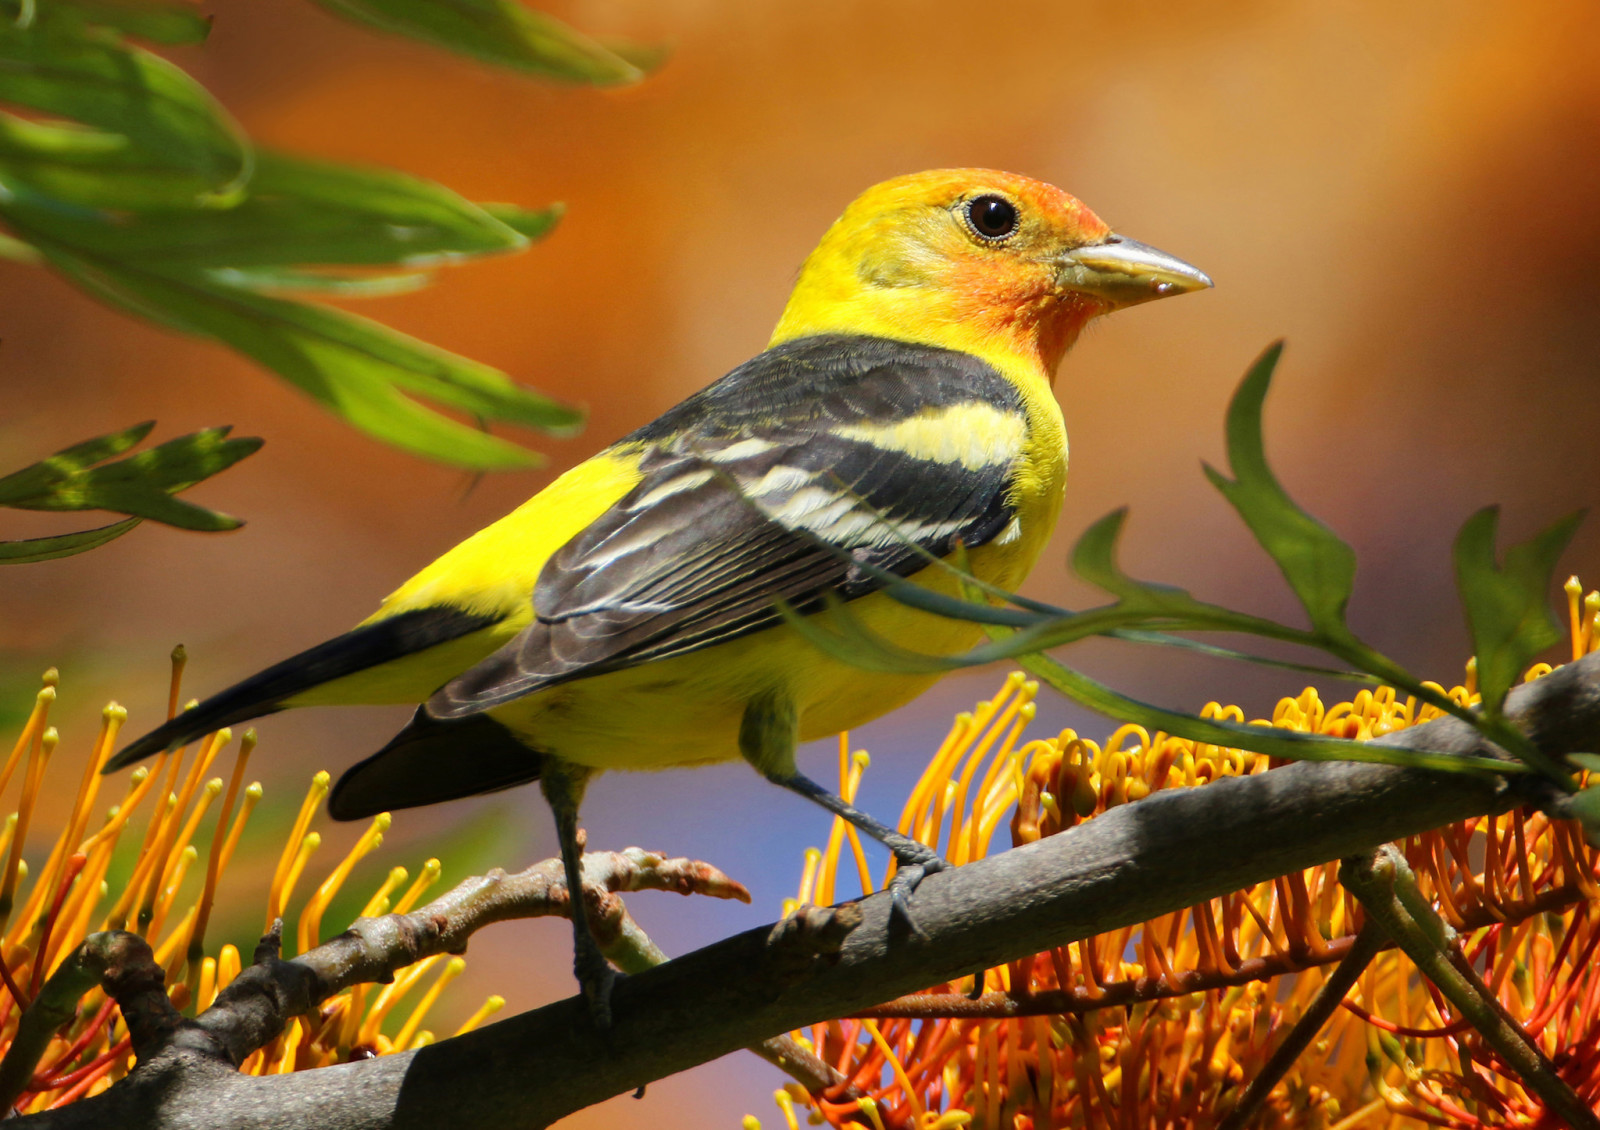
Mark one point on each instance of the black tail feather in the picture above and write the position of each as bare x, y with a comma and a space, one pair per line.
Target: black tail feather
264, 692
430, 761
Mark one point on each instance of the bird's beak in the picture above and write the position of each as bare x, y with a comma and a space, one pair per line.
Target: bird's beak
1125, 272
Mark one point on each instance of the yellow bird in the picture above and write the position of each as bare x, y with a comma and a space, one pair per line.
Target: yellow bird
625, 617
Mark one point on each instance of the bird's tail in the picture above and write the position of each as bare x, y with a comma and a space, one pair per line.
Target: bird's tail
430, 761
267, 691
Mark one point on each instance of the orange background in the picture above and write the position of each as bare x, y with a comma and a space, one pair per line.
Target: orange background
1410, 194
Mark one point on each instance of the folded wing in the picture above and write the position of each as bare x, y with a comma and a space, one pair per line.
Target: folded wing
780, 482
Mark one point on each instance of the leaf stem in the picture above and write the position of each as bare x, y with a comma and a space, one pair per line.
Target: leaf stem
1387, 890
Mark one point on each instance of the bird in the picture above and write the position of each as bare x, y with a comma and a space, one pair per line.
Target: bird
632, 614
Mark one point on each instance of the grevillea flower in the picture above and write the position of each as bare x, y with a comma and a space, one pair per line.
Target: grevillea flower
162, 835
1160, 1025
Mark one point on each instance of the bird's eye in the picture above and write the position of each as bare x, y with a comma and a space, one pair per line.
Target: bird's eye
992, 217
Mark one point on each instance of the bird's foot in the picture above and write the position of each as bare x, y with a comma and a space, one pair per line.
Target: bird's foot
917, 862
596, 977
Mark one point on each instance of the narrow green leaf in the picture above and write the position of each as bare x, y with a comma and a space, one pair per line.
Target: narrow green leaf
99, 81
28, 550
1094, 558
1589, 761
1508, 610
39, 478
296, 213
501, 32
1584, 807
363, 371
289, 280
172, 24
533, 224
19, 252
75, 164
141, 485
1319, 567
1268, 740
144, 484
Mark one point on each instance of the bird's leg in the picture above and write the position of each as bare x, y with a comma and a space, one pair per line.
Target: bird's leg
768, 734
562, 784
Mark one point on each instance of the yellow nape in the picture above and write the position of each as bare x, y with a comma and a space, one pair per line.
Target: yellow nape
491, 573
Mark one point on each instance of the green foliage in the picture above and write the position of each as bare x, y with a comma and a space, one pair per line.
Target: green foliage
1506, 610
506, 34
127, 177
1320, 568
142, 486
1291, 744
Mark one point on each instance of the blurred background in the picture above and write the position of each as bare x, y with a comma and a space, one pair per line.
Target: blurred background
1410, 194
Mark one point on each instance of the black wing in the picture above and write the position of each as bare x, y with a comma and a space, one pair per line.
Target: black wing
776, 483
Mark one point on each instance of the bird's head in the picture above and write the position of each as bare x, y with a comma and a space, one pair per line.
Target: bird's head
989, 263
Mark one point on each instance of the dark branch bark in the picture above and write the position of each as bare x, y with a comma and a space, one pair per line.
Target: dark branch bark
1167, 852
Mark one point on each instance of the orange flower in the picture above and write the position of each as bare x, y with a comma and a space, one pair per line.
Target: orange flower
1159, 1025
43, 921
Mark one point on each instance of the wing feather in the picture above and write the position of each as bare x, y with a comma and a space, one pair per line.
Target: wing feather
751, 495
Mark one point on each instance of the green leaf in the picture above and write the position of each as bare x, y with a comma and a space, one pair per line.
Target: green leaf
141, 485
1589, 761
1269, 740
1094, 558
1584, 807
289, 280
75, 164
1319, 567
1508, 610
296, 213
28, 550
167, 120
533, 224
169, 23
39, 478
501, 32
363, 371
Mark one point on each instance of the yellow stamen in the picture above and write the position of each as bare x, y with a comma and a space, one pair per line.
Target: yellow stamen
195, 947
391, 995
43, 745
294, 848
278, 898
311, 917
30, 730
487, 1009
427, 877
378, 904
408, 1030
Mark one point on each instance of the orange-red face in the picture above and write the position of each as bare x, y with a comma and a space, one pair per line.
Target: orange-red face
979, 260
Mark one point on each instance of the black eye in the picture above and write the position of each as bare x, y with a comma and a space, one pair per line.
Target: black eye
992, 217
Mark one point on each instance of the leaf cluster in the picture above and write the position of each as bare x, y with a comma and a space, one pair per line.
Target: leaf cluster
1507, 611
124, 174
143, 485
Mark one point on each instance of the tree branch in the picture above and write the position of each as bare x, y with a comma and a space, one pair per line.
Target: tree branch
1172, 850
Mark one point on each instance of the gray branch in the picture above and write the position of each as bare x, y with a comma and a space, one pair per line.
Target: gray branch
1172, 850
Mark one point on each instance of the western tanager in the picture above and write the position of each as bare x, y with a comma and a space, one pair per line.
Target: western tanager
626, 616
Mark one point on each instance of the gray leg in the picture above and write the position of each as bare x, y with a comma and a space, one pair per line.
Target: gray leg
768, 734
563, 785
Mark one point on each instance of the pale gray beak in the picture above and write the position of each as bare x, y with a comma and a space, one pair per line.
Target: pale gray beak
1125, 272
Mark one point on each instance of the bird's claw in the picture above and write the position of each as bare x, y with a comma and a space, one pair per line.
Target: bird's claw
596, 977
907, 878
